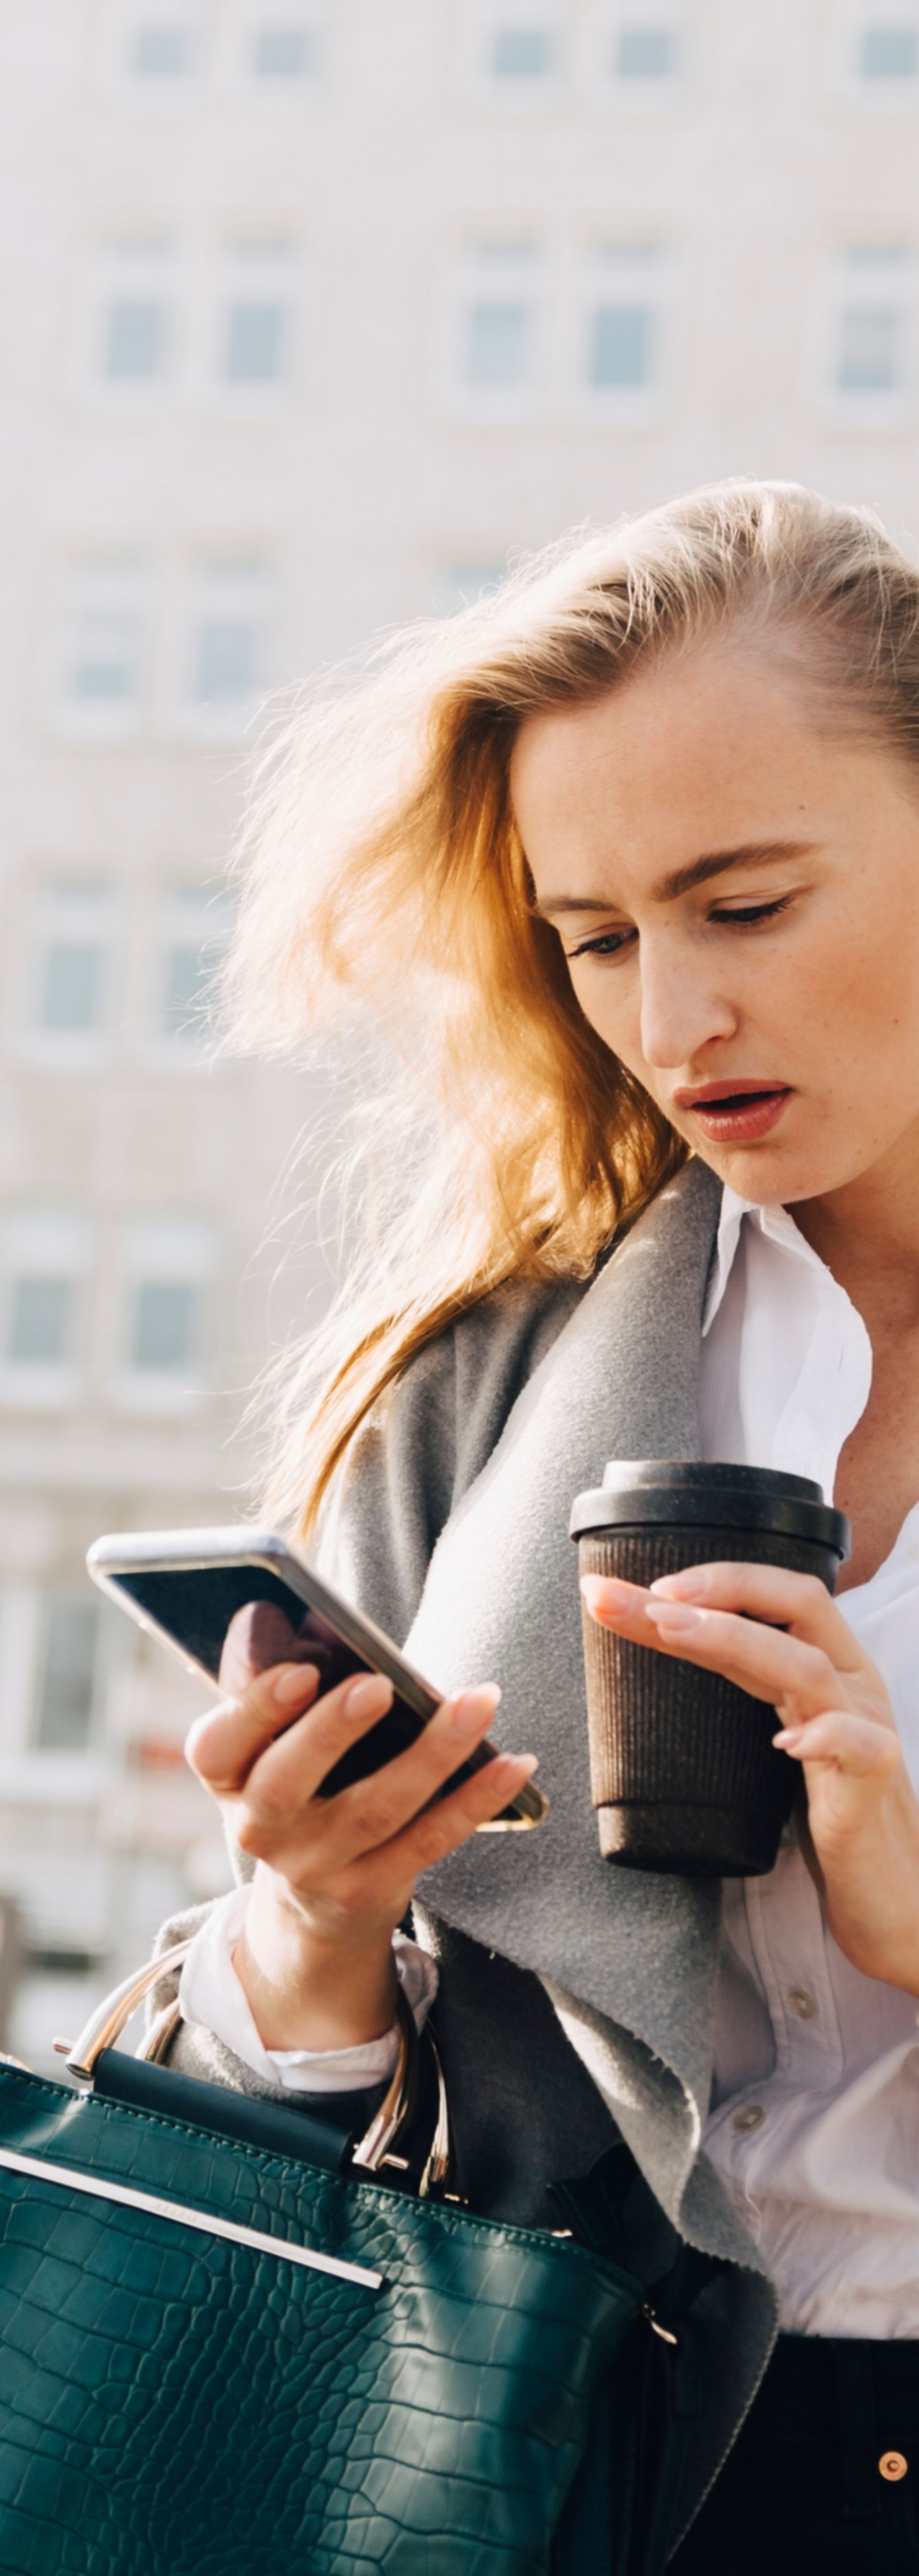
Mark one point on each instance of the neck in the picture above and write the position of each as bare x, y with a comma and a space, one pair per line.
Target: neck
868, 1235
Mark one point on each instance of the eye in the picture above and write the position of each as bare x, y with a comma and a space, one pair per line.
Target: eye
609, 944
746, 916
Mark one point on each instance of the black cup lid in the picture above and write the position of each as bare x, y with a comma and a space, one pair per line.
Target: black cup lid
694, 1492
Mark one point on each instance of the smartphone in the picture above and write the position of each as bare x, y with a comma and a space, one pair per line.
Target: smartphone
235, 1601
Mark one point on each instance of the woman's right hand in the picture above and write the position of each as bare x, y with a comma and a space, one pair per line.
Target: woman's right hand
334, 1875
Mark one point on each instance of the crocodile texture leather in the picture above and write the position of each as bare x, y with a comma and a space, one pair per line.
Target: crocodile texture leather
172, 2404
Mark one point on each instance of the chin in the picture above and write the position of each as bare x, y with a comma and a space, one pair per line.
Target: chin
772, 1177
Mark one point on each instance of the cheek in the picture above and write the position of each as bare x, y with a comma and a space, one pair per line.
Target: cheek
844, 986
614, 1013
838, 1009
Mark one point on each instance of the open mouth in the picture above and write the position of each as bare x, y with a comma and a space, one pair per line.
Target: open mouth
750, 1110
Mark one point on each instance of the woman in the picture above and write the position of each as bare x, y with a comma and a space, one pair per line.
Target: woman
627, 856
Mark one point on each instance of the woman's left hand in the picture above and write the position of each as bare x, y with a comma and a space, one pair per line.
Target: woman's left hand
835, 1719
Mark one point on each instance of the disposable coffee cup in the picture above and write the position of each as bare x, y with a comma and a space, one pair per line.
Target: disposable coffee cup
684, 1774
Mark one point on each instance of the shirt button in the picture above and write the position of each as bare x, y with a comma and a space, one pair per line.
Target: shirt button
749, 2119
892, 2466
802, 2003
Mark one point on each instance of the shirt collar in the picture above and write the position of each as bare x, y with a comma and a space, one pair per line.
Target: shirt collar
775, 1223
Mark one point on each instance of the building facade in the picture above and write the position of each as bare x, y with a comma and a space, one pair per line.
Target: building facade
312, 315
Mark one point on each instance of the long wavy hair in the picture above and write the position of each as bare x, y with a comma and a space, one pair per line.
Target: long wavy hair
383, 883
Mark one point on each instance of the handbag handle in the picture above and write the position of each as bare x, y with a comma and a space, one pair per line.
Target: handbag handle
373, 2150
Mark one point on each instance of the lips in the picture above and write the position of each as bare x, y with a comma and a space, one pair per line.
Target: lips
735, 1112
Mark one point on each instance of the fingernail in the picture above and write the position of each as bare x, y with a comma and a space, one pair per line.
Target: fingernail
473, 1710
675, 1618
789, 1738
372, 1692
509, 1762
603, 1594
293, 1682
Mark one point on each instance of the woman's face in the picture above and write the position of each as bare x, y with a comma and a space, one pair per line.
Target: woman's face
737, 895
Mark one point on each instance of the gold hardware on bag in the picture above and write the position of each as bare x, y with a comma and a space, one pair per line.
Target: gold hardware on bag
396, 2109
111, 2017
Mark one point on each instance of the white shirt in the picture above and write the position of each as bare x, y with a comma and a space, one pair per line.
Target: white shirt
210, 1993
814, 2124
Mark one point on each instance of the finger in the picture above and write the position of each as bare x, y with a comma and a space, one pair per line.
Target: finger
674, 1628
840, 1740
225, 1741
765, 1661
259, 1636
805, 1609
364, 1817
448, 1824
333, 1835
376, 1809
284, 1781
734, 1644
798, 1602
621, 1606
283, 1784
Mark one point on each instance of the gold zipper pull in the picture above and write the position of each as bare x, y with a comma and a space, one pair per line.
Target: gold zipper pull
662, 2331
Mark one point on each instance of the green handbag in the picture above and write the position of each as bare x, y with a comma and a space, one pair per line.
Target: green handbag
221, 2352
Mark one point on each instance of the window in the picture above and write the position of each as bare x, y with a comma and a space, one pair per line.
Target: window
182, 996
645, 53
462, 583
41, 1322
228, 649
194, 928
167, 1266
227, 664
68, 1672
499, 319
499, 342
103, 664
285, 53
162, 51
624, 320
165, 1316
870, 349
71, 986
890, 53
74, 933
873, 324
521, 53
132, 314
254, 342
253, 350
621, 345
135, 345
45, 1263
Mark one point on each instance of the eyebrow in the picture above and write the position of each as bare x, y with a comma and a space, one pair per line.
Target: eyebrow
680, 880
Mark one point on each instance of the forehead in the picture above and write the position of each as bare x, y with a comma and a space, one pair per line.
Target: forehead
689, 756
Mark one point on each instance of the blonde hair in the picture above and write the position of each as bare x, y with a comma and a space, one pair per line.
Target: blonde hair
381, 867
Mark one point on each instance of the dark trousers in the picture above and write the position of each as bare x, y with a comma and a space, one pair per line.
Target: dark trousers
804, 2492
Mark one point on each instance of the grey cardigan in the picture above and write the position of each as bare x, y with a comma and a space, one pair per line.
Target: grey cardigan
576, 2001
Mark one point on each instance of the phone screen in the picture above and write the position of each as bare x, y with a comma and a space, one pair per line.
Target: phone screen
238, 1620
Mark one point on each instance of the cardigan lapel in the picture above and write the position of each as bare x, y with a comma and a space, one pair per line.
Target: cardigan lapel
501, 1601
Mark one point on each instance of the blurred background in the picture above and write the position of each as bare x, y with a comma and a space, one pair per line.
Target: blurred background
311, 313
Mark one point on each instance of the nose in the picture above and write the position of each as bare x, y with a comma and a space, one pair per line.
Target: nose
682, 1009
